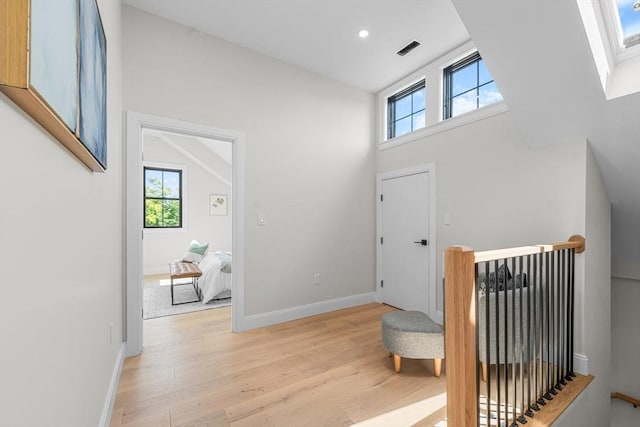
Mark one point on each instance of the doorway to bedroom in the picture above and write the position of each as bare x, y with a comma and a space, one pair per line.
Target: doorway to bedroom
184, 198
187, 219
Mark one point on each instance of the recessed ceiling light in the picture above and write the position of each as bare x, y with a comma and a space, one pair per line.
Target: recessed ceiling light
363, 34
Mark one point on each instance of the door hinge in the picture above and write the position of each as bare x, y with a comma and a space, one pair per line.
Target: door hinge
381, 240
382, 198
382, 283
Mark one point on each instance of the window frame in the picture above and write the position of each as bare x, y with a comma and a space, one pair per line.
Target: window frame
391, 110
614, 33
434, 122
447, 78
181, 198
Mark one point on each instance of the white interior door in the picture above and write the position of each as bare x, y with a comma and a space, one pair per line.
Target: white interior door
404, 242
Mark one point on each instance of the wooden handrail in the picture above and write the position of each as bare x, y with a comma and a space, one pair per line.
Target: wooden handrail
635, 402
495, 254
576, 242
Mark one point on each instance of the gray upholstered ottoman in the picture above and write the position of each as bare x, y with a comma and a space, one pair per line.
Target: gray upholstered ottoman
414, 335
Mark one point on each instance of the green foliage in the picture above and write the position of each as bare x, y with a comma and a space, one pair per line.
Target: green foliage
159, 212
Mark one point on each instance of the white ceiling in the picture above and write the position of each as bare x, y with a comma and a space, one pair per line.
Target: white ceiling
537, 51
322, 35
546, 72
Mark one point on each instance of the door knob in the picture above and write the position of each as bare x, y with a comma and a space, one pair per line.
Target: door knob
423, 242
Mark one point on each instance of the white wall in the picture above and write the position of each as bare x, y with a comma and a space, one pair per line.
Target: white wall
593, 306
625, 348
61, 261
495, 188
163, 246
309, 155
500, 193
596, 314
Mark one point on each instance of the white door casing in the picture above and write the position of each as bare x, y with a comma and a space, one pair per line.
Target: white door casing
136, 122
406, 269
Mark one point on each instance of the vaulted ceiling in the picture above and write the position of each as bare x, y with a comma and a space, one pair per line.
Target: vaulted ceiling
536, 50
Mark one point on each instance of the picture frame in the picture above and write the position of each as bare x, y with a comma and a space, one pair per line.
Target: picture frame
217, 204
53, 65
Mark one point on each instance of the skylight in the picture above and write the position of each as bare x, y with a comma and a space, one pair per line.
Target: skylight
628, 13
613, 30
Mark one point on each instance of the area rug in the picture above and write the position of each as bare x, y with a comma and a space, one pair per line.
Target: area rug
157, 300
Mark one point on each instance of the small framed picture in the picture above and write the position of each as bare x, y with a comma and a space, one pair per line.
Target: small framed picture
217, 204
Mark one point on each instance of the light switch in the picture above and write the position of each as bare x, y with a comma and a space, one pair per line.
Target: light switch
447, 219
261, 219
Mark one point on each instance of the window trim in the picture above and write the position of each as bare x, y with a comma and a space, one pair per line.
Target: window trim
616, 69
447, 77
434, 123
391, 100
183, 195
614, 34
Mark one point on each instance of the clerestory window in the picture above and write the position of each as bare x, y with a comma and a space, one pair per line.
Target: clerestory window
468, 86
406, 111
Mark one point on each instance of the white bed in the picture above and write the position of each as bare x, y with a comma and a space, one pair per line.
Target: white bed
215, 282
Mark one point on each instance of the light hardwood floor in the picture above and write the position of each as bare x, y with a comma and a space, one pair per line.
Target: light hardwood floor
325, 370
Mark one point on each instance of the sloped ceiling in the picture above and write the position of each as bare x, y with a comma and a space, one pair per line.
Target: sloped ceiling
536, 50
539, 55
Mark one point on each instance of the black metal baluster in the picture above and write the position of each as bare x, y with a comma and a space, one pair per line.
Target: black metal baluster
563, 318
506, 347
514, 344
549, 277
537, 264
477, 331
520, 290
557, 386
571, 311
499, 401
487, 328
528, 341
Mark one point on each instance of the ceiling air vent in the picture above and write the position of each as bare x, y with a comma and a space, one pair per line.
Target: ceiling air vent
408, 48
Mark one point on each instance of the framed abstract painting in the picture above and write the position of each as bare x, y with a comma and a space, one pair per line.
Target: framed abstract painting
53, 64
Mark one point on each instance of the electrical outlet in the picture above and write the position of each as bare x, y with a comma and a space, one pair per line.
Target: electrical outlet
316, 279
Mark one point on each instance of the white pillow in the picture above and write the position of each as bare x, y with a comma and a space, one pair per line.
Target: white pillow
196, 252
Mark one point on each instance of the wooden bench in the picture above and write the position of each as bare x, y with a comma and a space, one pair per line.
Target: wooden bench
183, 270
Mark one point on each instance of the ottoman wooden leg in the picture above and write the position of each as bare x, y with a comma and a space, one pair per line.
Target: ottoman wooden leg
437, 364
396, 362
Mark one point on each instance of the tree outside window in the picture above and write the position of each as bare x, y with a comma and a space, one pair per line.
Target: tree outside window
162, 198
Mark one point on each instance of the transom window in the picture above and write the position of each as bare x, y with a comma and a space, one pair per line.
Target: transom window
162, 198
468, 86
406, 110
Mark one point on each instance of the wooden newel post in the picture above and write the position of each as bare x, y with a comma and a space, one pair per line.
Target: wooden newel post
460, 337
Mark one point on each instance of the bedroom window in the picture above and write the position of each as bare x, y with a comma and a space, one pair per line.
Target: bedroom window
162, 198
406, 110
468, 86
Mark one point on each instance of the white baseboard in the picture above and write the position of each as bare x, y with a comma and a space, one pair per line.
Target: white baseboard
155, 270
293, 313
107, 410
580, 364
